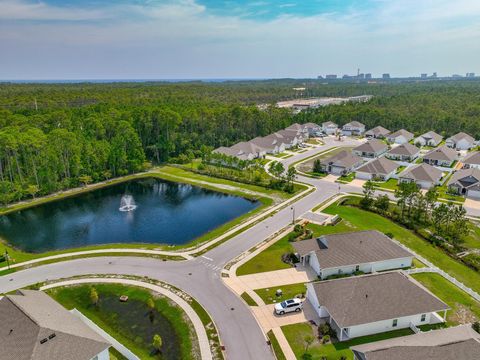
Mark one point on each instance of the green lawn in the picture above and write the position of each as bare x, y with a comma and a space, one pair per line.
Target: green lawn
128, 323
288, 292
390, 184
270, 259
248, 299
472, 240
296, 334
443, 194
464, 307
363, 220
344, 179
276, 346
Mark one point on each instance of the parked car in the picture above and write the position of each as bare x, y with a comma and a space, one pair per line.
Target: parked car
292, 305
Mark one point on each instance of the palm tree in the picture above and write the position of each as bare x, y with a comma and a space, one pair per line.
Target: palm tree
157, 343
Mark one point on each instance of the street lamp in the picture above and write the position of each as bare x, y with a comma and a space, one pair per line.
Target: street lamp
293, 215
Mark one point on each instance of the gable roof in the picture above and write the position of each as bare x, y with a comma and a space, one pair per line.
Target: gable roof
422, 172
383, 296
461, 136
455, 343
30, 317
352, 248
472, 158
432, 135
378, 130
405, 149
310, 125
402, 132
329, 123
379, 166
354, 124
441, 153
373, 145
268, 142
457, 177
343, 159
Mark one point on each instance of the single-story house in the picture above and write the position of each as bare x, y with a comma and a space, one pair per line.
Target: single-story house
372, 304
34, 326
430, 138
329, 128
460, 141
424, 175
404, 152
346, 253
401, 136
379, 169
442, 156
371, 149
353, 128
466, 182
454, 343
472, 160
270, 144
342, 163
378, 132
245, 150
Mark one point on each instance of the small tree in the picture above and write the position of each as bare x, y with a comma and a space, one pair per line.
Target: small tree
32, 190
317, 166
157, 343
382, 204
93, 296
368, 191
308, 341
85, 179
150, 304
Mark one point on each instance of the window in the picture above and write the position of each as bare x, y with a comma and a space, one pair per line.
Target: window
424, 317
357, 268
395, 323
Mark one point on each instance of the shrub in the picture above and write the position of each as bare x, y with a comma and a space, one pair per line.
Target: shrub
290, 258
389, 234
476, 326
326, 339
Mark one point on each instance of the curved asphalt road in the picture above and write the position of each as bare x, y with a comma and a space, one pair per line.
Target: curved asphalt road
200, 277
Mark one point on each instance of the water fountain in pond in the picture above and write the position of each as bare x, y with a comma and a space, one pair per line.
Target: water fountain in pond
127, 203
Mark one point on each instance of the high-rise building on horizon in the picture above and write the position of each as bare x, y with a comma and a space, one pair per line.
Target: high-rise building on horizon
386, 76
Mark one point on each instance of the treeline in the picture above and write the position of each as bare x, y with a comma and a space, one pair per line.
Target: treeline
56, 136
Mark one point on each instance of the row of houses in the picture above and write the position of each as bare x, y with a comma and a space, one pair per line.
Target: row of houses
274, 143
379, 298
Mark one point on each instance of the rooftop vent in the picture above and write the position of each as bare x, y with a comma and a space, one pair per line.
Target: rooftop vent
43, 341
51, 336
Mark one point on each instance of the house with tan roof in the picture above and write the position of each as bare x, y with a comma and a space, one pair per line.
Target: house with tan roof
460, 141
353, 128
401, 136
341, 163
466, 182
442, 156
36, 327
430, 138
380, 169
424, 175
372, 304
405, 152
346, 253
454, 343
371, 149
329, 128
378, 132
472, 160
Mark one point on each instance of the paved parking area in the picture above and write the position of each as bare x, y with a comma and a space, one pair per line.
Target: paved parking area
268, 319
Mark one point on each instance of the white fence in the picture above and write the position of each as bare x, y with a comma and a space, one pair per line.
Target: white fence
119, 347
434, 269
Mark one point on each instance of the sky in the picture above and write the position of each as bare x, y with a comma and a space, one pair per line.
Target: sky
211, 39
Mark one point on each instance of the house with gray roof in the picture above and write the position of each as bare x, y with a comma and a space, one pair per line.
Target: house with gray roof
401, 136
454, 343
430, 138
346, 253
329, 128
245, 150
442, 156
472, 160
341, 163
270, 144
466, 182
36, 327
312, 129
460, 141
353, 128
378, 132
405, 152
371, 149
424, 175
372, 304
380, 169
290, 138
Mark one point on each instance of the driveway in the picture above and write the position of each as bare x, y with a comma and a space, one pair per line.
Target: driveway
268, 319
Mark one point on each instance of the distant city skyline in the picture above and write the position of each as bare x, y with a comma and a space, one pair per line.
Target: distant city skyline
236, 39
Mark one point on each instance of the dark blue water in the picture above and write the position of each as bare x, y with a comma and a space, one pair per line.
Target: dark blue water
166, 213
